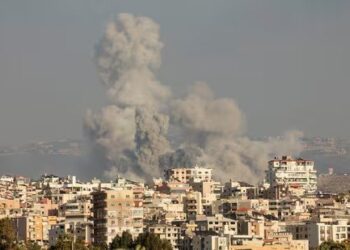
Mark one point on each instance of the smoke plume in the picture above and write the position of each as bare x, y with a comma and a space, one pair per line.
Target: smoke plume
126, 57
151, 140
144, 130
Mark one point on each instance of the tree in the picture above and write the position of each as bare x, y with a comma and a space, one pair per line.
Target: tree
80, 245
64, 242
7, 235
92, 247
331, 245
101, 246
32, 246
124, 242
139, 247
151, 241
346, 243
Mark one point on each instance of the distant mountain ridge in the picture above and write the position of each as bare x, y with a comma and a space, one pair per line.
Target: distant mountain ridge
70, 156
59, 147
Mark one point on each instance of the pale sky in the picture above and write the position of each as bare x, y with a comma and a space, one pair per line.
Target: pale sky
286, 63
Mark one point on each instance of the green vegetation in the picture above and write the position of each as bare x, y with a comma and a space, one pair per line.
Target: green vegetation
152, 242
7, 235
33, 246
144, 241
331, 245
123, 242
66, 242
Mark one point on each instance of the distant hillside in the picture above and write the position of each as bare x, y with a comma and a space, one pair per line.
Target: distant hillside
334, 183
328, 152
64, 157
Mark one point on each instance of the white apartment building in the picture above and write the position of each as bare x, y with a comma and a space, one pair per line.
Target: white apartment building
298, 174
318, 232
210, 241
6, 179
187, 174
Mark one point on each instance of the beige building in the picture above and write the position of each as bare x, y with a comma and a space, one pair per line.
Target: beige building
80, 231
239, 189
33, 227
281, 208
168, 232
278, 241
8, 205
77, 219
252, 228
114, 212
217, 223
187, 174
193, 205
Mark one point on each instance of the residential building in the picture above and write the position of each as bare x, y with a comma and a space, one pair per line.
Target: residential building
298, 174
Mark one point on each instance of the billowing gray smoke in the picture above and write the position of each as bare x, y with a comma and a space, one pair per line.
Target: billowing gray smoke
132, 134
151, 140
125, 58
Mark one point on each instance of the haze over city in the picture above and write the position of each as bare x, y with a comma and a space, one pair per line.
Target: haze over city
158, 125
284, 62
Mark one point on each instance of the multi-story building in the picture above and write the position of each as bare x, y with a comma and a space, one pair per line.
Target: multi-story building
190, 209
209, 241
240, 190
187, 174
6, 205
114, 212
79, 231
281, 208
278, 241
217, 223
252, 228
33, 227
168, 232
298, 174
234, 206
77, 216
193, 205
318, 232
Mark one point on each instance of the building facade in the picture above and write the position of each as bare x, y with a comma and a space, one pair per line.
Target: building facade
187, 174
114, 212
298, 175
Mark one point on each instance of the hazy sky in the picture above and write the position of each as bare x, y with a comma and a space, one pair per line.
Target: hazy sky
286, 63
